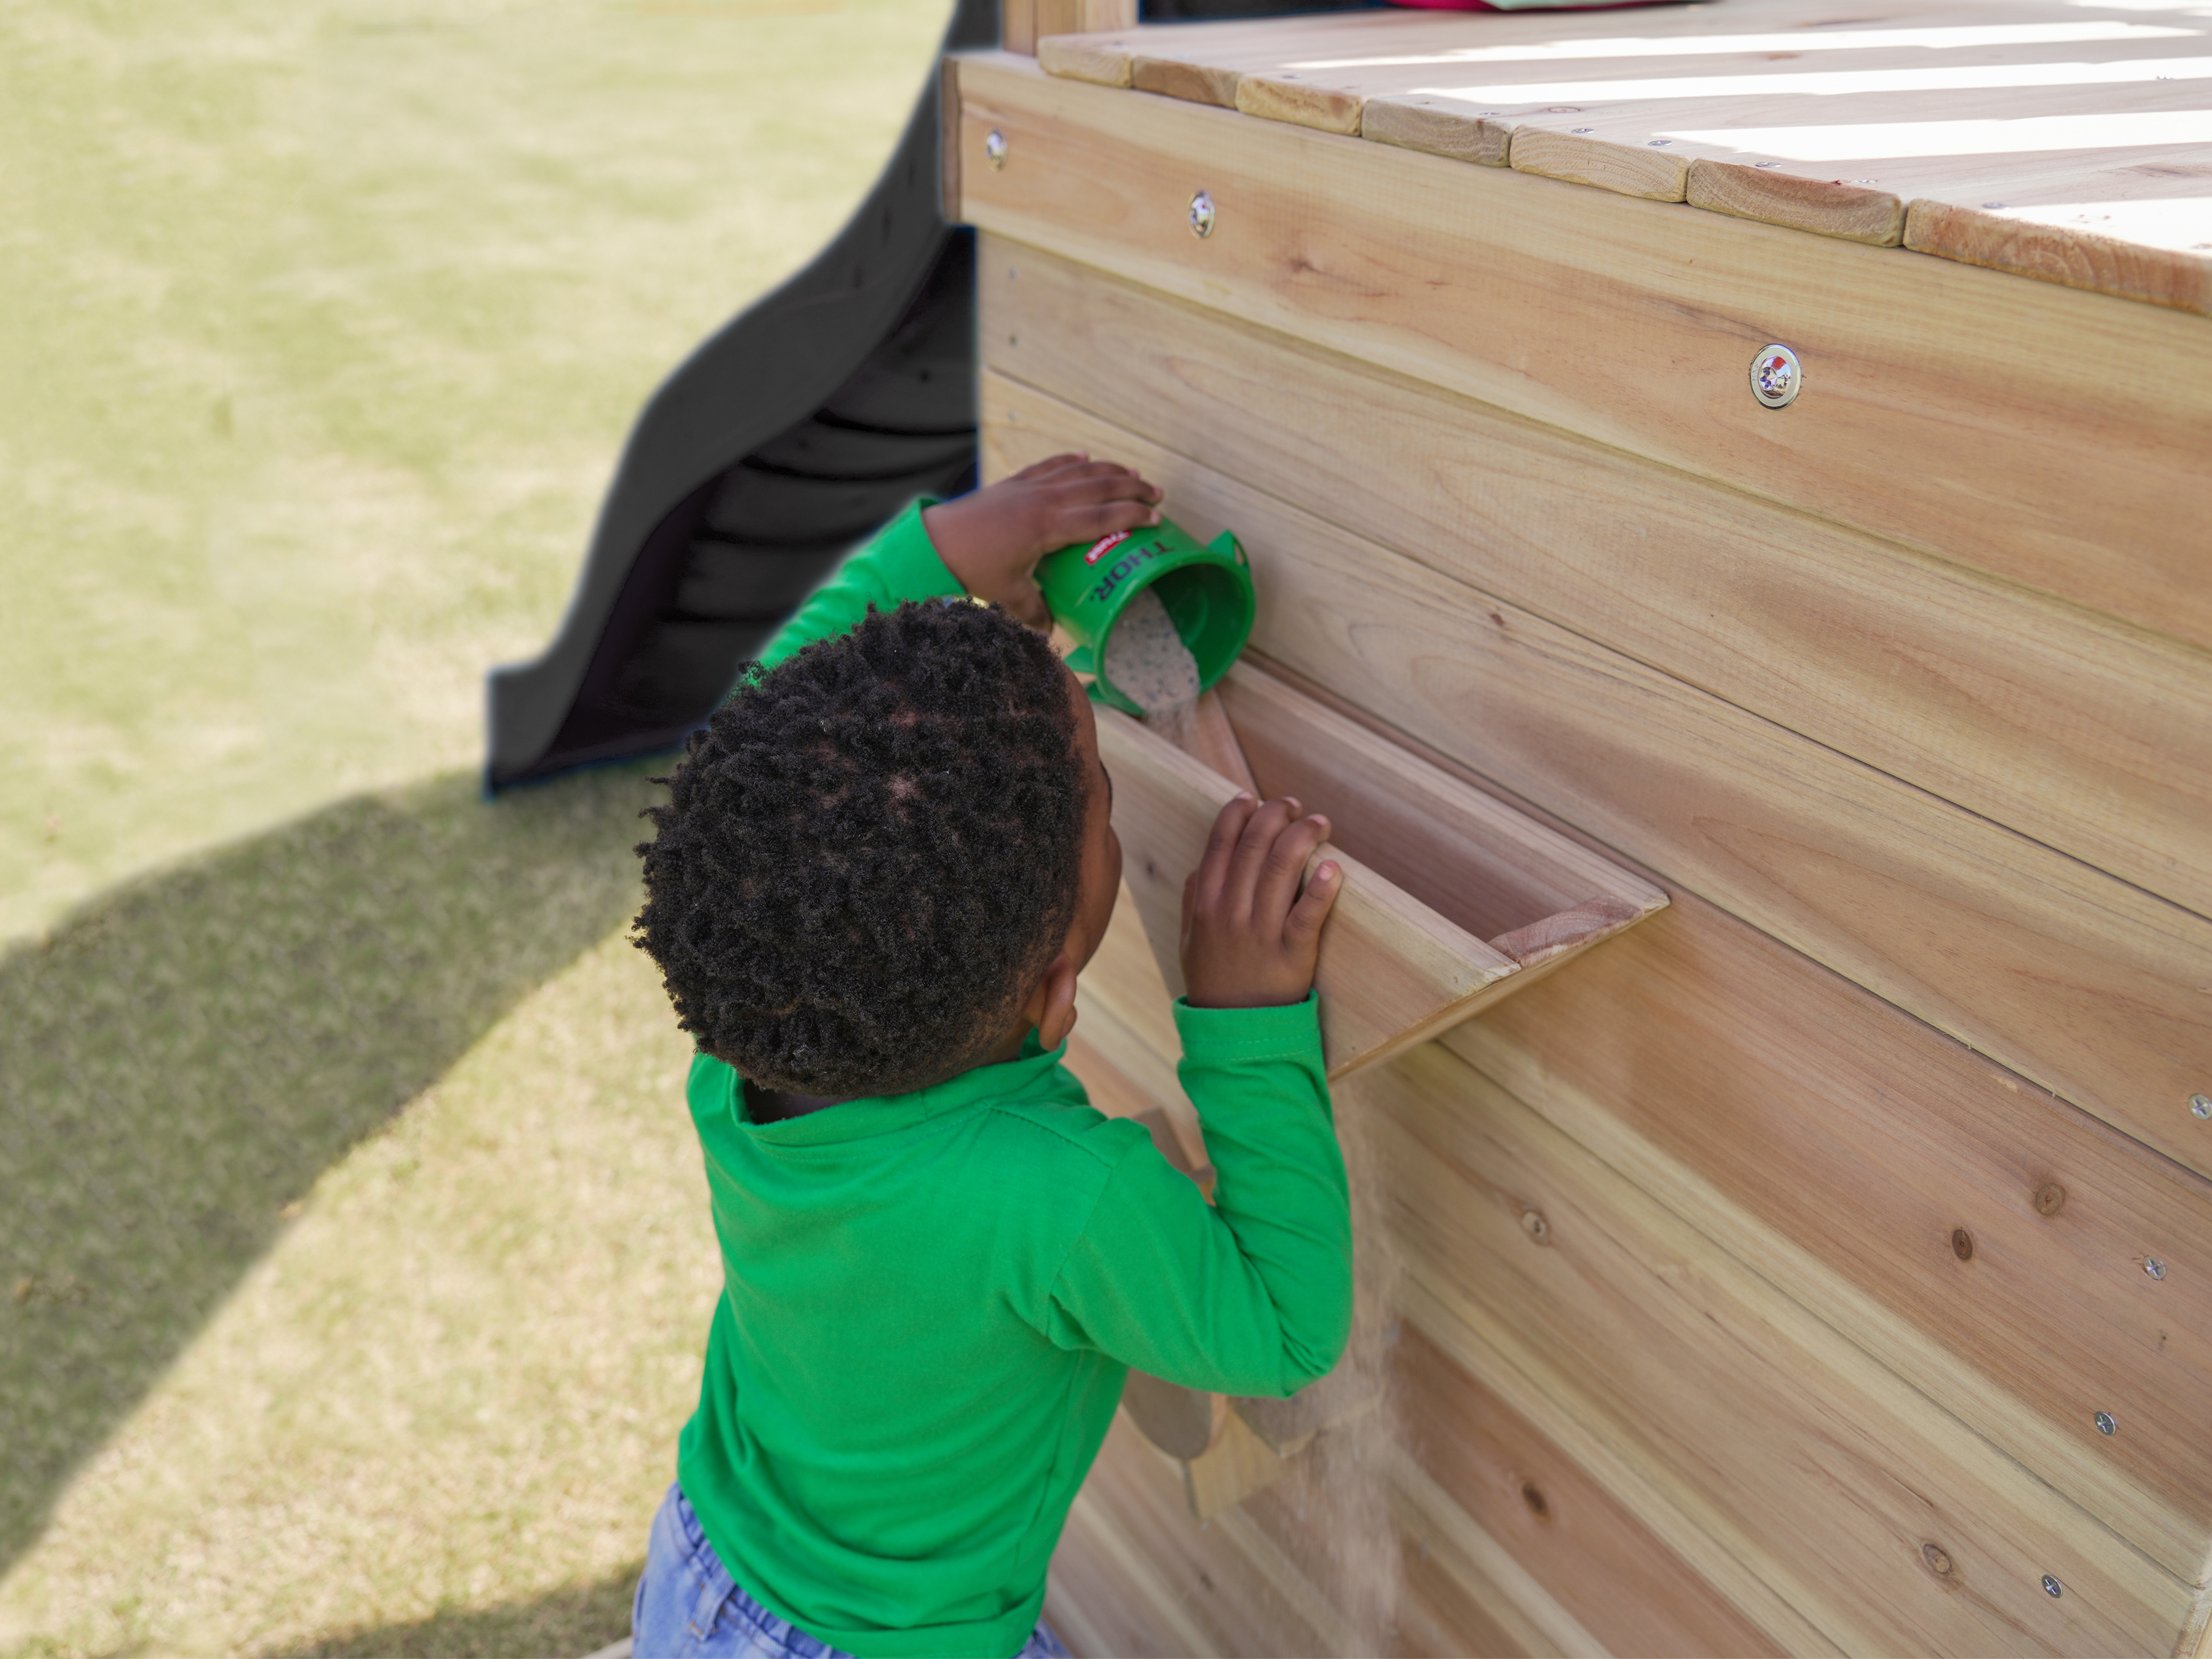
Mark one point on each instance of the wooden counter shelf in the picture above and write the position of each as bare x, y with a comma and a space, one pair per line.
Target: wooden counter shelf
1823, 1264
1451, 901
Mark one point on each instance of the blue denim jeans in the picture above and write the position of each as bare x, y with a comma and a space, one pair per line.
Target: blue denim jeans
688, 1607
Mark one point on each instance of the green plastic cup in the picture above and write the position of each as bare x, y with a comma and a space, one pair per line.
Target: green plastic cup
1206, 589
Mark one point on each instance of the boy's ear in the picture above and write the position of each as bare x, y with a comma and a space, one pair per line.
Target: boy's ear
1052, 1004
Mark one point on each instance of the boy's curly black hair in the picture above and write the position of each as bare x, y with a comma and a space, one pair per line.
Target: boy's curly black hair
869, 853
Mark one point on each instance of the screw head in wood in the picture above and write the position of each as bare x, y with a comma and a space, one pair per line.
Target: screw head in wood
1201, 215
1533, 1224
2105, 1424
2050, 1197
1962, 1245
2051, 1586
2154, 1266
1584, 129
994, 147
1776, 376
2200, 1105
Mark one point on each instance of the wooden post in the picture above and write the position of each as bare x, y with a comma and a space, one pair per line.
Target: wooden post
1023, 24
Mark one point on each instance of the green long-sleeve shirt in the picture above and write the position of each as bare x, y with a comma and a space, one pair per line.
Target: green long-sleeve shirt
930, 1300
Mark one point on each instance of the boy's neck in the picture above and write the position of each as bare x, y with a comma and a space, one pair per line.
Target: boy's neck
776, 1105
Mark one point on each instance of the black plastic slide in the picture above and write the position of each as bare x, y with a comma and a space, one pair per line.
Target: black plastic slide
794, 433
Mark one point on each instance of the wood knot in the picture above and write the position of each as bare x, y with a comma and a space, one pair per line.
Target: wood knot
1533, 1496
1962, 1245
1533, 1224
2050, 1197
1938, 1559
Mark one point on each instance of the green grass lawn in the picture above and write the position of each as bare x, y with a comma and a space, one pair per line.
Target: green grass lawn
354, 1262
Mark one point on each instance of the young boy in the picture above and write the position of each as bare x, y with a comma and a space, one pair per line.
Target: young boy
880, 872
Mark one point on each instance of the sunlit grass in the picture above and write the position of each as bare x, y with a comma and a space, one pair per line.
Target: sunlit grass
354, 1263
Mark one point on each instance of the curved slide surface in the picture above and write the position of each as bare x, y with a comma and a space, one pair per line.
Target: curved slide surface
797, 429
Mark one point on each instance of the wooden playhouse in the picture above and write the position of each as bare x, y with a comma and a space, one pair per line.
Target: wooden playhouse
1730, 490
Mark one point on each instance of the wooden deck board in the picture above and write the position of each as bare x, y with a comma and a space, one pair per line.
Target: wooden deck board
2087, 134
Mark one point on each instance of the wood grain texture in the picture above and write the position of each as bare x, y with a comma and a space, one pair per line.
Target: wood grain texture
2093, 737
1827, 207
1821, 1137
1610, 1574
2065, 245
2083, 984
1657, 175
1440, 126
1391, 972
1307, 102
1993, 422
2087, 133
1105, 60
1458, 850
1195, 83
1134, 1574
1803, 1454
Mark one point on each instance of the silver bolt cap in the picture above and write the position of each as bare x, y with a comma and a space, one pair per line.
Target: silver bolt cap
1201, 215
994, 147
1776, 376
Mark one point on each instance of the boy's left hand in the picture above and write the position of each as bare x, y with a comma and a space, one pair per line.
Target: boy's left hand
991, 539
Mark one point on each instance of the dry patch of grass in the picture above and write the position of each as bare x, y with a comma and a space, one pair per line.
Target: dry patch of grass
354, 1262
436, 1417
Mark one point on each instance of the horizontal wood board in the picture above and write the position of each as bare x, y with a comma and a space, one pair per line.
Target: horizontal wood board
1838, 1147
2000, 424
2089, 734
2084, 985
2031, 137
1799, 1450
1726, 1398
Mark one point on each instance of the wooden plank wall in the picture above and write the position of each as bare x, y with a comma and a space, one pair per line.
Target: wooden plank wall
1759, 1280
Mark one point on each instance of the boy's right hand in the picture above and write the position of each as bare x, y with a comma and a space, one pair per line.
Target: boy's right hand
991, 538
1250, 935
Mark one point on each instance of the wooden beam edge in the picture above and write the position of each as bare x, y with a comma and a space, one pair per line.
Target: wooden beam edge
2179, 279
1851, 213
1996, 240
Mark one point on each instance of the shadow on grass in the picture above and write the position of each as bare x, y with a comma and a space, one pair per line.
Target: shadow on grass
182, 1057
566, 1623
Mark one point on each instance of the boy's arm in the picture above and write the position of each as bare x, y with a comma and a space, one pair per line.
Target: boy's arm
985, 542
1253, 1296
897, 562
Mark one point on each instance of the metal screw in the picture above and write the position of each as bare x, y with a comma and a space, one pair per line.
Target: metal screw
1767, 164
994, 147
1201, 215
1585, 129
2201, 1105
2105, 1423
2052, 1586
1659, 143
1776, 376
2154, 1266
1999, 205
